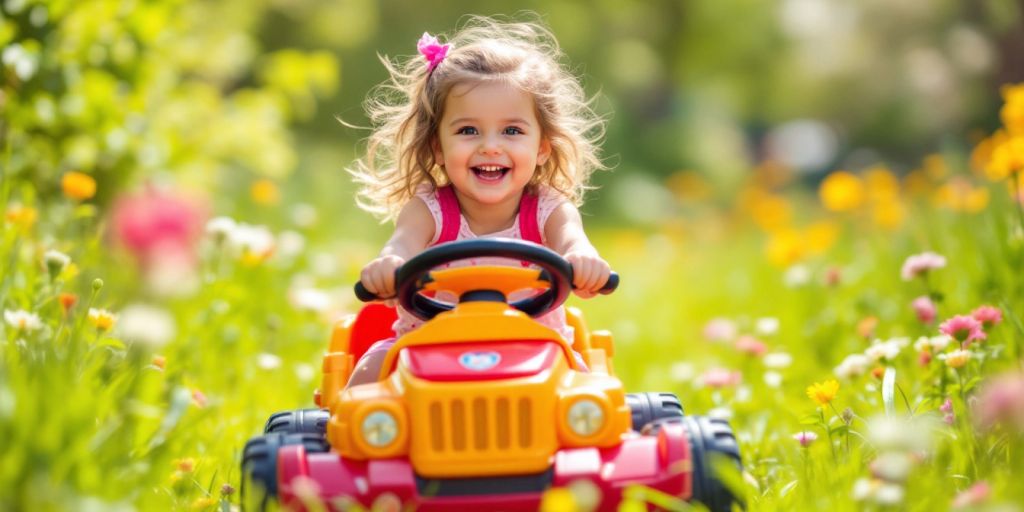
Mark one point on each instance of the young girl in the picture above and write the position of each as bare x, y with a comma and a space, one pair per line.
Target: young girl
485, 136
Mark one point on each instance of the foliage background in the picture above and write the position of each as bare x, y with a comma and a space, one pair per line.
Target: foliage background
724, 117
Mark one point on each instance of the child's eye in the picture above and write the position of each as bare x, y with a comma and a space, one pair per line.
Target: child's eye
512, 130
467, 130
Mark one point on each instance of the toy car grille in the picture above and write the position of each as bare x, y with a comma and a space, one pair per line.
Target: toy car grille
481, 424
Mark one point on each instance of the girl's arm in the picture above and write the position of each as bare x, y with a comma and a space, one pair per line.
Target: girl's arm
565, 235
414, 229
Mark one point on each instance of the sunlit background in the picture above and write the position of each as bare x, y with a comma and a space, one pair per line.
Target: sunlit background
773, 166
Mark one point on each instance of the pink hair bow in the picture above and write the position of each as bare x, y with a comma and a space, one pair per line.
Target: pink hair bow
431, 49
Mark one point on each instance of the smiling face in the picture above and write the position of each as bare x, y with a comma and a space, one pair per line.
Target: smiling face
490, 142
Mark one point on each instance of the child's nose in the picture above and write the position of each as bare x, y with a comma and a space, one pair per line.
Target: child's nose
490, 145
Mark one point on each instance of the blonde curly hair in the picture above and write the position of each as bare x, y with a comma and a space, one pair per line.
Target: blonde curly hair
406, 110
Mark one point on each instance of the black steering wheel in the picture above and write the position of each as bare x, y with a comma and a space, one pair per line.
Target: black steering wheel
412, 277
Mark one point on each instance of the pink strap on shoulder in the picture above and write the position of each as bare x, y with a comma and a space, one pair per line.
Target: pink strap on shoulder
528, 227
450, 215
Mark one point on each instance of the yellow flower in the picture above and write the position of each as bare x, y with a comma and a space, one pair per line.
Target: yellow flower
957, 358
785, 247
935, 166
1012, 112
824, 392
21, 216
203, 503
78, 186
265, 192
770, 211
821, 236
1007, 158
881, 184
688, 186
889, 214
101, 319
981, 155
841, 192
961, 196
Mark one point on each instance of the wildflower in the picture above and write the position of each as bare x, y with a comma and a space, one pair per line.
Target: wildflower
151, 326
751, 346
720, 329
203, 503
772, 379
264, 192
102, 319
157, 226
254, 244
796, 276
987, 315
805, 438
185, 465
854, 365
1007, 158
268, 361
878, 372
882, 493
220, 228
67, 301
886, 350
22, 217
866, 327
823, 392
925, 309
892, 466
890, 433
199, 398
767, 326
841, 191
720, 378
921, 264
962, 328
159, 361
681, 371
777, 360
227, 489
948, 417
960, 195
1012, 113
1001, 402
22, 321
55, 262
833, 276
957, 358
304, 215
974, 495
78, 186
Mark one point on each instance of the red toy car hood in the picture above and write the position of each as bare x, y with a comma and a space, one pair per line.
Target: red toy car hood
481, 361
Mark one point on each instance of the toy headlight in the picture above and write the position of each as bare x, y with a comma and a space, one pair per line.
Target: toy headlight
379, 428
586, 417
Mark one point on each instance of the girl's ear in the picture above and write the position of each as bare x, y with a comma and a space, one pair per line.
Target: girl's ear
544, 151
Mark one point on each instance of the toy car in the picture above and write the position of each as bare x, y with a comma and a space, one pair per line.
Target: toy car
481, 408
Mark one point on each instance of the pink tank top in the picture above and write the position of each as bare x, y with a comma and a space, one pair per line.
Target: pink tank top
450, 225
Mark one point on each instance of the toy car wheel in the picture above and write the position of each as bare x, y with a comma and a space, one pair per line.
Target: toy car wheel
712, 445
649, 407
301, 421
259, 464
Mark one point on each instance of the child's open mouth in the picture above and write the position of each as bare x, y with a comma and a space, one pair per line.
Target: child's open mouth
490, 172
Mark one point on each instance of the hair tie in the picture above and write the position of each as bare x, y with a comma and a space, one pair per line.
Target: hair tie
432, 50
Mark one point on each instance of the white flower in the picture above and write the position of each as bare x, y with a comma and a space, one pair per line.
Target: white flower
220, 228
773, 379
148, 325
304, 372
290, 244
682, 372
767, 326
895, 434
309, 299
268, 361
304, 215
889, 494
23, 62
796, 276
55, 261
777, 360
252, 240
22, 320
886, 350
853, 366
723, 413
892, 466
940, 342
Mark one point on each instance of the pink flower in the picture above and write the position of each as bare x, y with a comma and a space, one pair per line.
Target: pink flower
987, 315
962, 328
720, 329
924, 308
805, 438
1001, 401
155, 222
720, 378
974, 495
751, 346
432, 50
921, 264
947, 406
947, 412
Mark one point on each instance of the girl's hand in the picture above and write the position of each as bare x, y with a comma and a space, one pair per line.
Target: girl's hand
378, 276
589, 272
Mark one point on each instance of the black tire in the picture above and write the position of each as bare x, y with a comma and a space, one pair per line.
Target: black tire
301, 421
650, 407
259, 463
713, 445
